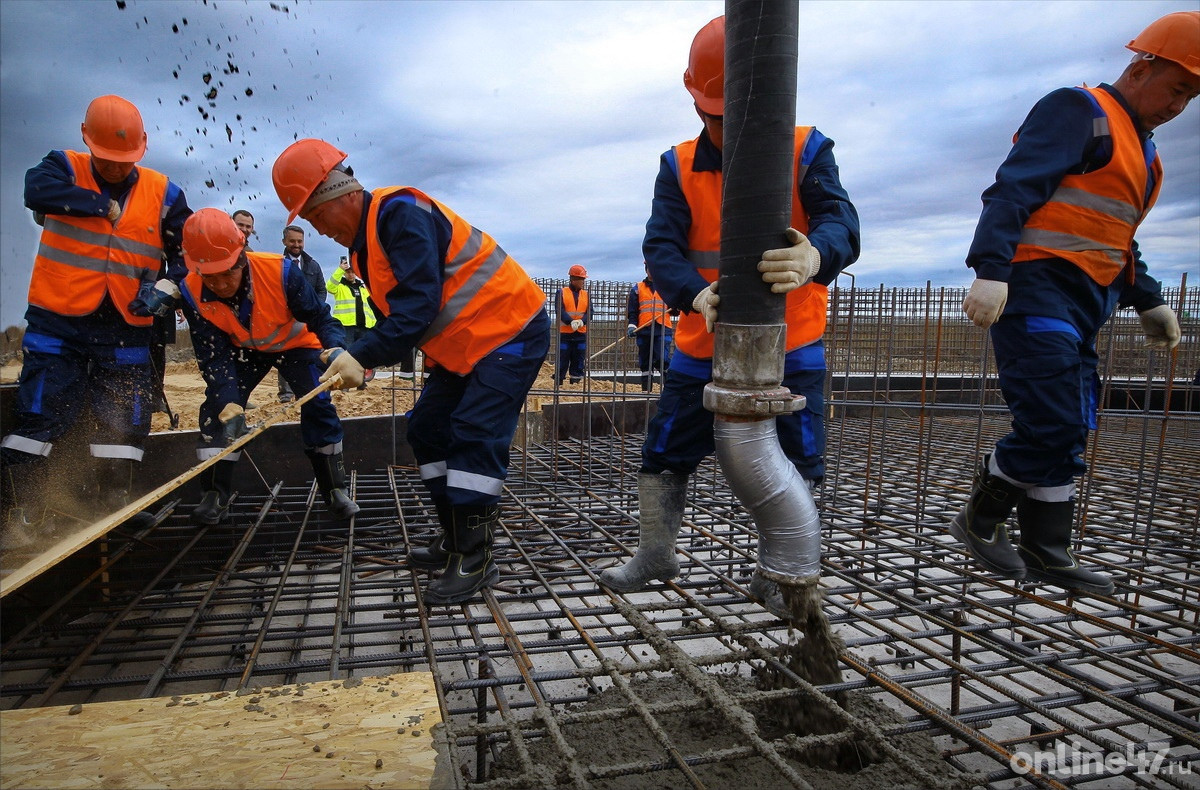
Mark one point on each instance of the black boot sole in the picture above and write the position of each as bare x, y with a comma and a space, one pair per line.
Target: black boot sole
1069, 584
489, 578
965, 538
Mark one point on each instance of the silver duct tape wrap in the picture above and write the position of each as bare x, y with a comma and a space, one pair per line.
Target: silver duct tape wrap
777, 497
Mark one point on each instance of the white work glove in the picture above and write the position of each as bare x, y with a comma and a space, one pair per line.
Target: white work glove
341, 363
577, 324
985, 302
789, 268
630, 330
706, 303
114, 211
1162, 327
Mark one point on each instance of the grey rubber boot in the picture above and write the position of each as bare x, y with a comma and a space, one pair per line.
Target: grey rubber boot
330, 472
1046, 548
217, 484
660, 502
980, 525
470, 567
436, 554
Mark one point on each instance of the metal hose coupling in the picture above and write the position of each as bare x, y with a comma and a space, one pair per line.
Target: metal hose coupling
776, 496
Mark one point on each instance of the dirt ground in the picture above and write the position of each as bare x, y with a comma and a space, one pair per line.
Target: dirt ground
184, 389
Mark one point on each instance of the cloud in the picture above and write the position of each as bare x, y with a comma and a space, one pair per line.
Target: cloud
542, 122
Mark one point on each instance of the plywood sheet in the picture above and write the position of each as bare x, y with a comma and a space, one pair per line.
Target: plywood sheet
373, 732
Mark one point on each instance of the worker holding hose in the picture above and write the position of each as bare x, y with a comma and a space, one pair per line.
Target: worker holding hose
248, 313
682, 249
1054, 254
447, 288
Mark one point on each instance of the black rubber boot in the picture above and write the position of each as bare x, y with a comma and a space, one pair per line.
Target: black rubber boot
114, 484
436, 554
217, 484
330, 472
470, 567
980, 525
1046, 548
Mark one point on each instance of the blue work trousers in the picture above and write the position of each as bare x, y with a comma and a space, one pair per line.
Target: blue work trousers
62, 376
1047, 372
572, 355
320, 427
680, 435
461, 426
654, 350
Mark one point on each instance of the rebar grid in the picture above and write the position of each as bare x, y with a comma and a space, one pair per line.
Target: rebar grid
986, 668
983, 670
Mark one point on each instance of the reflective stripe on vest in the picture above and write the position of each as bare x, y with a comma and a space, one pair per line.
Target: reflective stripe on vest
806, 307
80, 259
1090, 220
575, 308
273, 328
487, 298
651, 307
345, 306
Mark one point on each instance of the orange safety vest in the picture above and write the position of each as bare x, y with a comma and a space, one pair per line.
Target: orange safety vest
806, 307
1090, 219
273, 328
80, 259
651, 307
575, 309
487, 298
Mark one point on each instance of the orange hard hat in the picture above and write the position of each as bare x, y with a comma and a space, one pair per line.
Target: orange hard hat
1174, 37
577, 271
113, 130
705, 75
212, 243
300, 169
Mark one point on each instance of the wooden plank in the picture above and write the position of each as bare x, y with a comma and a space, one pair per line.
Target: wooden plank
331, 734
75, 541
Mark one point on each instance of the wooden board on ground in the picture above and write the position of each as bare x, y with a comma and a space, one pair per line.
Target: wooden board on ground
369, 732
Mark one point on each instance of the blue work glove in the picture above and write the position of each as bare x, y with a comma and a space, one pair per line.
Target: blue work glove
233, 423
155, 300
630, 330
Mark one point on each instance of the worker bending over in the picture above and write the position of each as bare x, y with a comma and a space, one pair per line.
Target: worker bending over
447, 288
248, 312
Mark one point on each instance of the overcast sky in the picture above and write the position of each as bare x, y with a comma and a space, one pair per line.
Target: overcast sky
542, 122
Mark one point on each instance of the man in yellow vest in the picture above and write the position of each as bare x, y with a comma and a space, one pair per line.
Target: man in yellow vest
1054, 254
351, 305
108, 225
448, 288
574, 314
682, 247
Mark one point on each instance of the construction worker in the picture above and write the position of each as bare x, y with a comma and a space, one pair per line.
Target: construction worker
682, 247
351, 305
1054, 254
449, 289
650, 322
249, 312
98, 282
574, 314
